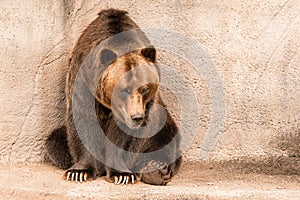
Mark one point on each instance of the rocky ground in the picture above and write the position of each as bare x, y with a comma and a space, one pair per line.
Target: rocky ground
230, 180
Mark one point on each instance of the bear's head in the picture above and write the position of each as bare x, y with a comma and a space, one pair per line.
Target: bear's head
129, 85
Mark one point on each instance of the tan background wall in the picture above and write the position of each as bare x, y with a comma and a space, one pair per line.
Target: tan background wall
253, 44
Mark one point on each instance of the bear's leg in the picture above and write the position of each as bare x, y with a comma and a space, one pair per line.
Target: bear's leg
159, 173
156, 173
57, 148
86, 166
160, 167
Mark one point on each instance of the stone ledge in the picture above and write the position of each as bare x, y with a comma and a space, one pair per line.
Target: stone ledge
195, 181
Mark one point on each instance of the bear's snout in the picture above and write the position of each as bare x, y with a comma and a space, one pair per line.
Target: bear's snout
136, 110
137, 119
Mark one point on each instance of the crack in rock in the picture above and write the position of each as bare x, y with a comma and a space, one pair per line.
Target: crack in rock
38, 72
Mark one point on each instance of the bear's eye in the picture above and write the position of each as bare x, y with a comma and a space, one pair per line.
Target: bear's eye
125, 91
145, 90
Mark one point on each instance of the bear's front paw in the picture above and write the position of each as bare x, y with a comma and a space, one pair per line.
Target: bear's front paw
77, 175
156, 173
124, 179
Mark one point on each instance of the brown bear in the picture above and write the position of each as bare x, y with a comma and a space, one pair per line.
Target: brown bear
116, 123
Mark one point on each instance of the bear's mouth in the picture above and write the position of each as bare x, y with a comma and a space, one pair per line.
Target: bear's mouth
135, 124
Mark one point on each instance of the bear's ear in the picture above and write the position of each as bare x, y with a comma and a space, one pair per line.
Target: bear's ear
107, 56
149, 53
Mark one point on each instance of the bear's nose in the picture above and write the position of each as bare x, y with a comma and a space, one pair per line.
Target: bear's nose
137, 119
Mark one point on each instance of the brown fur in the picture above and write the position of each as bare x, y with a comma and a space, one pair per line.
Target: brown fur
125, 99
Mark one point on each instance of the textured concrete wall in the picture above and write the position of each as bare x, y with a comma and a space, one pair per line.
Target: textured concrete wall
254, 46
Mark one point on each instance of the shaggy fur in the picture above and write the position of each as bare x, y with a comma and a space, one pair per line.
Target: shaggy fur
89, 156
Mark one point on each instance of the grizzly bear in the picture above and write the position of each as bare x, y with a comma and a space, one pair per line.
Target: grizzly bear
117, 125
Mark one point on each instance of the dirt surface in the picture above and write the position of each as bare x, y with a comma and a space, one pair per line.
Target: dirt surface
195, 181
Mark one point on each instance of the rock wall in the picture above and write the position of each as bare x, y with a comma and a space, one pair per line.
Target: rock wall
253, 47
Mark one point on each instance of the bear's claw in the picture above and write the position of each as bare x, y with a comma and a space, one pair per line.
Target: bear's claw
76, 176
124, 179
